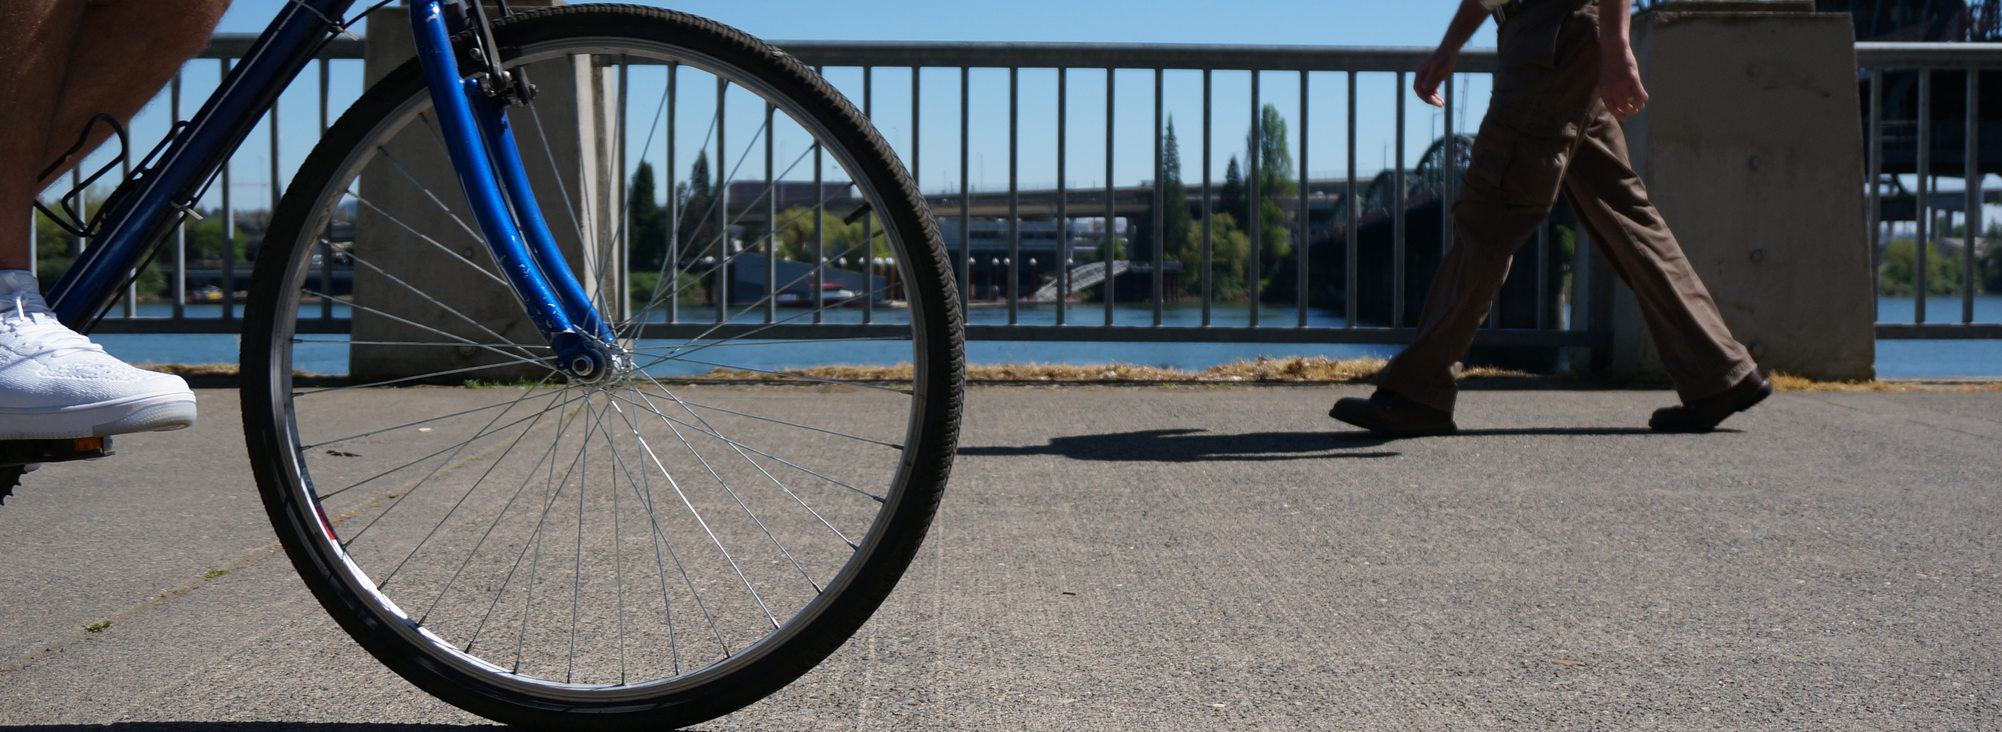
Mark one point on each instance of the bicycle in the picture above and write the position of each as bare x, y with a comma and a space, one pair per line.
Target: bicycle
507, 503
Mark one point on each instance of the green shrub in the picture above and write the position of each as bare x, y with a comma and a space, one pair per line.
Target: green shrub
1897, 274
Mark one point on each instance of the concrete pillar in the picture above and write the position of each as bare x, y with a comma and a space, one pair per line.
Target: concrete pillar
575, 106
1752, 148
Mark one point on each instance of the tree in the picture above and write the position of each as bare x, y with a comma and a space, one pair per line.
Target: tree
1991, 269
1988, 260
1898, 275
1175, 219
55, 251
1173, 198
698, 233
646, 227
1231, 199
1275, 183
1275, 160
840, 240
1228, 247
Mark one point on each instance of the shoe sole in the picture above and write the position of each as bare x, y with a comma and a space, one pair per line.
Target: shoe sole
1765, 390
154, 413
1383, 429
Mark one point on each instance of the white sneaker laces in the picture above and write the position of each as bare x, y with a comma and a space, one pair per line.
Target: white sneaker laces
31, 318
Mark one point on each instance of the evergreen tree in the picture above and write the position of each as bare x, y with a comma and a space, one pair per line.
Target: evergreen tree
698, 233
1231, 199
646, 223
1175, 219
1173, 198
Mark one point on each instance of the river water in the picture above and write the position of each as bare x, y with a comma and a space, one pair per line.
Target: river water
1895, 358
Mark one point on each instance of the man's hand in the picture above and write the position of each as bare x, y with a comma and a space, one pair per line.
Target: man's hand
1432, 73
1620, 82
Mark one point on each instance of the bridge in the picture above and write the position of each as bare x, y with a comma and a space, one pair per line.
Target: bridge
1081, 277
1128, 202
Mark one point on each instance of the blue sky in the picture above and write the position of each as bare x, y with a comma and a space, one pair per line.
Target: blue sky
1334, 22
1407, 23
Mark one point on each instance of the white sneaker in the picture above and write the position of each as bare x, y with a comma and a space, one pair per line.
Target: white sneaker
56, 384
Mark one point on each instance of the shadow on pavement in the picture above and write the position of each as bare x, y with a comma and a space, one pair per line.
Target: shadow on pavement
1194, 445
1571, 431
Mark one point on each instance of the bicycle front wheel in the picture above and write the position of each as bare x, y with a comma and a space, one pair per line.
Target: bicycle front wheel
660, 546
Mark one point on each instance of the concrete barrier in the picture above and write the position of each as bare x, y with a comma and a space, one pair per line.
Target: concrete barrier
1752, 148
575, 107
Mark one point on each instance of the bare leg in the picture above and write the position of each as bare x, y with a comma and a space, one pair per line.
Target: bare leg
34, 60
89, 57
127, 51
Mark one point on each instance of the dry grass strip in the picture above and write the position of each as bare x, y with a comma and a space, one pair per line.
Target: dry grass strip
1790, 382
1263, 370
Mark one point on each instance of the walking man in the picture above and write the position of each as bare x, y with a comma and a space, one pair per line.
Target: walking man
1566, 78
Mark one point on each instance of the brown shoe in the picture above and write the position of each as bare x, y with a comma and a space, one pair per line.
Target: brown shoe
1704, 414
1388, 413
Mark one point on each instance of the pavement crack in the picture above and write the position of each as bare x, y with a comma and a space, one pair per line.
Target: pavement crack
19, 662
94, 628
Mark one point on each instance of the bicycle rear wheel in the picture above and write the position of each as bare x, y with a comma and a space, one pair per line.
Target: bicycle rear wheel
655, 548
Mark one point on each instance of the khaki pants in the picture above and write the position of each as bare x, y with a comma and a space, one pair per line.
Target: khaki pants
1546, 134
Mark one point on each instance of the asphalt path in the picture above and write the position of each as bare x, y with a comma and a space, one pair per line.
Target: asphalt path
1186, 558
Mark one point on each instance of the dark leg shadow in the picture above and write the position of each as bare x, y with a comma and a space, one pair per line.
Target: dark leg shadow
1546, 431
1194, 445
1572, 431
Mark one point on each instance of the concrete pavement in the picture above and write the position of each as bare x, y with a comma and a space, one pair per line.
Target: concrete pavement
1188, 558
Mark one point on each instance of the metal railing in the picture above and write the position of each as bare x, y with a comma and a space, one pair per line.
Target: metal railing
1359, 247
1339, 238
1921, 146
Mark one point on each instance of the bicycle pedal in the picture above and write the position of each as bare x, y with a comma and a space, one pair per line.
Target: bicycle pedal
21, 453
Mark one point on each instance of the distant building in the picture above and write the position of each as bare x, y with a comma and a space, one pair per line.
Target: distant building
790, 193
987, 239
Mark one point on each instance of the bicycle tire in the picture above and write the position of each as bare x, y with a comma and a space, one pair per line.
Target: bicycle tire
294, 473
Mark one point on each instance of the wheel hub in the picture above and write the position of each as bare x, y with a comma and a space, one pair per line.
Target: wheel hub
604, 367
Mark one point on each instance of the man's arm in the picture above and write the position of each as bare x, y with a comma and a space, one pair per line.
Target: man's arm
1434, 71
1619, 74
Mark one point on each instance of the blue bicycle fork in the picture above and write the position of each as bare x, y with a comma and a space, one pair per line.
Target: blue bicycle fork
477, 137
471, 111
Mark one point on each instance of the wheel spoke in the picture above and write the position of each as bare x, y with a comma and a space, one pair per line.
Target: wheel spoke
421, 236
756, 508
741, 336
735, 444
697, 513
437, 304
711, 430
405, 495
537, 417
399, 468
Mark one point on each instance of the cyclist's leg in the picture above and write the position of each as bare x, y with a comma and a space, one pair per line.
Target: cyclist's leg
125, 51
73, 59
34, 58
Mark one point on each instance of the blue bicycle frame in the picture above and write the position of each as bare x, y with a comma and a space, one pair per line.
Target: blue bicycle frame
478, 138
